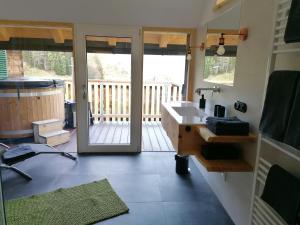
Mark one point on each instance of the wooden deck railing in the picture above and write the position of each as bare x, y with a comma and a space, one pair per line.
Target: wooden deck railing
110, 101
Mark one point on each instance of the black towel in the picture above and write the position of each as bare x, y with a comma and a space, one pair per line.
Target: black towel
278, 103
210, 118
282, 193
292, 31
227, 126
219, 151
292, 134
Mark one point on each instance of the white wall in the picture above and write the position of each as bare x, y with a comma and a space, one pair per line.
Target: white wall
174, 13
252, 58
228, 20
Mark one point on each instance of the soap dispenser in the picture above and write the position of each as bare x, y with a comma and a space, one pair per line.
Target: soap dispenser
202, 102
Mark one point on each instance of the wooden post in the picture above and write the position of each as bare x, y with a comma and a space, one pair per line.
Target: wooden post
147, 100
169, 92
107, 111
101, 101
124, 102
119, 101
96, 97
174, 93
158, 103
152, 104
113, 101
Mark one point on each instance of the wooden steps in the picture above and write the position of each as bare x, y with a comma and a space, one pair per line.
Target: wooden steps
50, 132
55, 137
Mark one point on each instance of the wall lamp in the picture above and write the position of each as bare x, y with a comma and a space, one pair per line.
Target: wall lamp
189, 52
243, 35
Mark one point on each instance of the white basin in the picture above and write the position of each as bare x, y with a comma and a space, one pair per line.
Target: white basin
185, 113
189, 111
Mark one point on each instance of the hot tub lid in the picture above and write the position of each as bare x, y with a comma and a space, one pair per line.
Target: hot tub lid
28, 83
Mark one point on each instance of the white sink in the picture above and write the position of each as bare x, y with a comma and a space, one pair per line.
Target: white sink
189, 111
186, 113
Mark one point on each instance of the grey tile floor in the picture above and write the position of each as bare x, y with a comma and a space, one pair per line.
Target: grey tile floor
147, 182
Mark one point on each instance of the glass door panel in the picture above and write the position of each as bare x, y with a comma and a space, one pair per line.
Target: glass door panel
108, 87
109, 81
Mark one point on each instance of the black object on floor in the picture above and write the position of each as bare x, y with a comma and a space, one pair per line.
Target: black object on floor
282, 193
278, 103
292, 31
220, 151
227, 126
292, 134
70, 110
182, 164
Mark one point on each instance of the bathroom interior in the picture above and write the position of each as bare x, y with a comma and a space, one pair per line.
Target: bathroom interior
142, 113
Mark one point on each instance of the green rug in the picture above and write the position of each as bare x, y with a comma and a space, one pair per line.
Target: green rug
81, 205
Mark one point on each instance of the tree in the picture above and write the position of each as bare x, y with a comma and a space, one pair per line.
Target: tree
99, 67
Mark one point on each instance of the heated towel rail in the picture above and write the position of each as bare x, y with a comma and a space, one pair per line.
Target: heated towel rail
261, 212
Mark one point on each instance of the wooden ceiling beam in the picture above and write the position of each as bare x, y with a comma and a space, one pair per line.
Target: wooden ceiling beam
112, 41
164, 41
4, 35
58, 36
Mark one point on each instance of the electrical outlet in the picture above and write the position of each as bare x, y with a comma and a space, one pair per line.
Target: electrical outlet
240, 106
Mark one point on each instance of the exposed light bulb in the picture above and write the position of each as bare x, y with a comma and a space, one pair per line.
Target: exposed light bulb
189, 54
221, 50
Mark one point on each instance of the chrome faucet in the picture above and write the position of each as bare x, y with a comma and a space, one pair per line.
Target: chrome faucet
213, 89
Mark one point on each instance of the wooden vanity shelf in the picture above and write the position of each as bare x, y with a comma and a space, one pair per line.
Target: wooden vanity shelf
237, 165
210, 137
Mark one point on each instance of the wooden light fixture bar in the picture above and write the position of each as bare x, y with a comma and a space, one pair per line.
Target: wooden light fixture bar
242, 35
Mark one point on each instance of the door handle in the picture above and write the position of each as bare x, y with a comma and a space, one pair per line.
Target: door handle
84, 91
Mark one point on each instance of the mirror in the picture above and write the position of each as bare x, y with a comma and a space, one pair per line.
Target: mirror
221, 47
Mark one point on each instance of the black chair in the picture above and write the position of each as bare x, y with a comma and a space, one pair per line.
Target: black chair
10, 156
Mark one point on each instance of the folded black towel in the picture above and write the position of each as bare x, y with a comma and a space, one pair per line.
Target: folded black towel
282, 193
278, 103
234, 118
292, 134
219, 151
292, 31
227, 126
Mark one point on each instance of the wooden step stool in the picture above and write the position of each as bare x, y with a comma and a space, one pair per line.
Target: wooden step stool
50, 132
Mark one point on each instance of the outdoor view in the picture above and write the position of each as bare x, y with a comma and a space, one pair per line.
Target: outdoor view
219, 69
108, 67
48, 64
109, 87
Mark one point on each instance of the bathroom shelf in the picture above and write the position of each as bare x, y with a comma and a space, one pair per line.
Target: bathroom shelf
210, 137
237, 165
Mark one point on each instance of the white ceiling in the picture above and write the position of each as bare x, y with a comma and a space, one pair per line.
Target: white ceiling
173, 13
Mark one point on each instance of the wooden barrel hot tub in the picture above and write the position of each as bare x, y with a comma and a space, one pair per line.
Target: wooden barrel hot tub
23, 101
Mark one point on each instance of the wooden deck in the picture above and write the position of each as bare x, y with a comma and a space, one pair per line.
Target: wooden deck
154, 138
